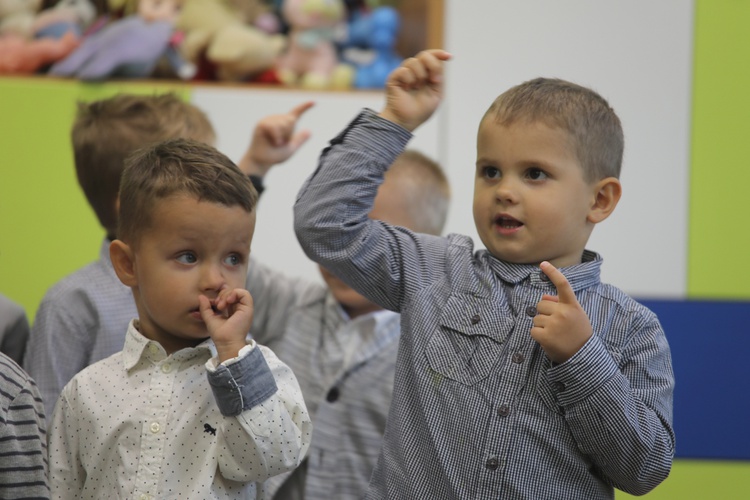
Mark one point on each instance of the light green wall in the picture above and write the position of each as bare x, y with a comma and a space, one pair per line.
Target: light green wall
701, 480
47, 229
719, 235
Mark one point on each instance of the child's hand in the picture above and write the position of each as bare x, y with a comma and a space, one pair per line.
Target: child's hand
561, 326
274, 141
229, 323
414, 89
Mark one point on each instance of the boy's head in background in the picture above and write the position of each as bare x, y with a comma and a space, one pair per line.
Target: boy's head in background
549, 154
186, 221
415, 194
105, 132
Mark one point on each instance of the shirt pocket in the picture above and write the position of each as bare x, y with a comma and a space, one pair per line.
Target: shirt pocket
469, 339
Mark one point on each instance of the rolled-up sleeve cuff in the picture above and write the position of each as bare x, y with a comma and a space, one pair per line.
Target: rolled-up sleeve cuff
583, 374
241, 383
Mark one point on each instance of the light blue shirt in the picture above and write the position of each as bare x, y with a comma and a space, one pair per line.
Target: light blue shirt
81, 320
345, 368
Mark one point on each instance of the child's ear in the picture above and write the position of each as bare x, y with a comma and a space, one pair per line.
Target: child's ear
123, 260
607, 194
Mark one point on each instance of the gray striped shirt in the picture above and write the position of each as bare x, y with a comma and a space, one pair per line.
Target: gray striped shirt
478, 410
23, 436
345, 368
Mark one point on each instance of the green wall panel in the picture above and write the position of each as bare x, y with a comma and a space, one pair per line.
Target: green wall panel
701, 480
47, 229
719, 233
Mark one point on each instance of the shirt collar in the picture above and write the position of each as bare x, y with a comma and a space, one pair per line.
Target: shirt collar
137, 348
580, 276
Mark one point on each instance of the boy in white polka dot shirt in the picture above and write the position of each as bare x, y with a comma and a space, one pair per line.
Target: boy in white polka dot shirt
189, 408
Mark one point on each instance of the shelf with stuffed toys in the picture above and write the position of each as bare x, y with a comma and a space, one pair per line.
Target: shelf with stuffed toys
298, 44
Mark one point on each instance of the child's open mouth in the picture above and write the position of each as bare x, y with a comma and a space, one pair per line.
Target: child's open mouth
507, 222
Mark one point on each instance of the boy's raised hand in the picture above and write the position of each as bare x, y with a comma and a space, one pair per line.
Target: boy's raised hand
228, 321
413, 90
275, 140
561, 326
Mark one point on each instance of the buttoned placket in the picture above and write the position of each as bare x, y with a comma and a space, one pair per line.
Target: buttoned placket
513, 377
153, 433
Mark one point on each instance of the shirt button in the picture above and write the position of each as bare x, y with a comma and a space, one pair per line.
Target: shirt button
492, 463
531, 311
144, 497
503, 410
166, 367
332, 395
475, 319
517, 358
558, 386
155, 427
543, 276
153, 348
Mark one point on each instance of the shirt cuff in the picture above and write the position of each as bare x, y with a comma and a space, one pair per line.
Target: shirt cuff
583, 374
241, 383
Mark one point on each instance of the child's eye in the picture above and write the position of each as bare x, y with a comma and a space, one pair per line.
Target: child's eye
233, 260
187, 258
490, 173
536, 174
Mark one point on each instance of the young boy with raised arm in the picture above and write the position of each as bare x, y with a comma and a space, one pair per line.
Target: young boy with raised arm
83, 317
342, 347
189, 408
519, 374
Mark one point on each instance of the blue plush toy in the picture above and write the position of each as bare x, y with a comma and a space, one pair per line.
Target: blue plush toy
376, 31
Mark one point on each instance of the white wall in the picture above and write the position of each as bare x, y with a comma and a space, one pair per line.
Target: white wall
636, 53
234, 111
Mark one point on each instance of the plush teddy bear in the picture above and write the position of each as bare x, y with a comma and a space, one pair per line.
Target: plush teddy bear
17, 16
215, 32
310, 59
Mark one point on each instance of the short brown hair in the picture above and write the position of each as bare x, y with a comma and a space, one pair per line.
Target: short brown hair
177, 167
105, 132
429, 191
593, 125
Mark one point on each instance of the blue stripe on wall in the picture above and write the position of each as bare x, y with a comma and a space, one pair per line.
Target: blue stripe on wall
710, 343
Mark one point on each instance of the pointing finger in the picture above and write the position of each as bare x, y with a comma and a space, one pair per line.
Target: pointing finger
300, 109
564, 290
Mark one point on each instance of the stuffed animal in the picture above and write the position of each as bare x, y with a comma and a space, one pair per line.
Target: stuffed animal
17, 16
373, 33
20, 55
310, 59
130, 47
237, 50
67, 15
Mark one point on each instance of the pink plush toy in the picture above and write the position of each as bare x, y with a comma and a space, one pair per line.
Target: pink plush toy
310, 59
20, 55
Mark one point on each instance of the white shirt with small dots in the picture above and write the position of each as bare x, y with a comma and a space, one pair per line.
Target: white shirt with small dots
141, 424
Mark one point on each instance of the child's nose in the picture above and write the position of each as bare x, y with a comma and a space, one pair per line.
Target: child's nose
506, 191
212, 279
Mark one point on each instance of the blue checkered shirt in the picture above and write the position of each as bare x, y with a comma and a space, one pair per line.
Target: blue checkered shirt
478, 410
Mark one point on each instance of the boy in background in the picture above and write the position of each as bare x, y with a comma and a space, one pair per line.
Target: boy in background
342, 347
189, 408
14, 329
83, 318
514, 379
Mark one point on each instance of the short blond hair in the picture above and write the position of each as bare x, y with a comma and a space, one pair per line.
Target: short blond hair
177, 167
106, 131
429, 190
594, 128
